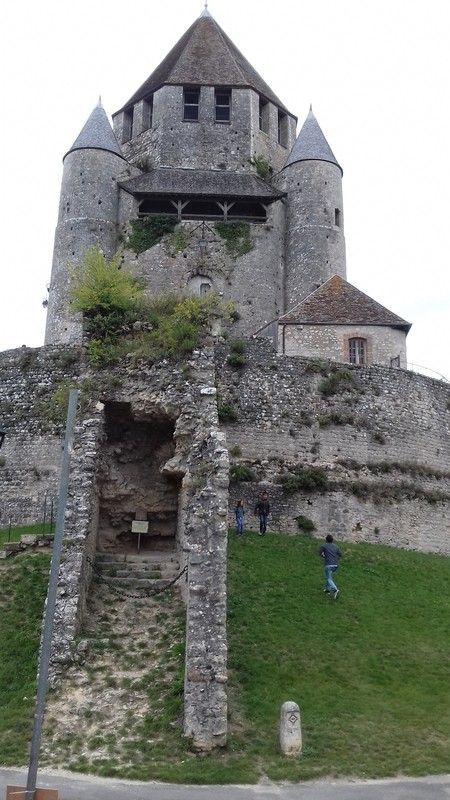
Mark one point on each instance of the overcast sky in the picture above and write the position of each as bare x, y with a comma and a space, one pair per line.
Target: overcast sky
377, 74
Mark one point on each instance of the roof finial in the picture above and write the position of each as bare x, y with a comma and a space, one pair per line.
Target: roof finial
310, 106
205, 12
99, 104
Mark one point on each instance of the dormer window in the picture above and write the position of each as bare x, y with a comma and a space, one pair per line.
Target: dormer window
263, 115
222, 99
147, 113
191, 99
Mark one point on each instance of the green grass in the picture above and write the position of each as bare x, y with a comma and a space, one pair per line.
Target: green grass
20, 530
23, 586
369, 671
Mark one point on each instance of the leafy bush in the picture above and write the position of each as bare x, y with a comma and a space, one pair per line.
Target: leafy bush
262, 166
148, 231
235, 451
236, 360
236, 236
337, 381
305, 524
103, 289
307, 478
316, 365
335, 418
239, 472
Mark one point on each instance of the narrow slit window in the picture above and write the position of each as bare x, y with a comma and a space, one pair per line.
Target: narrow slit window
263, 115
337, 217
147, 113
282, 128
357, 351
205, 288
223, 105
127, 125
191, 99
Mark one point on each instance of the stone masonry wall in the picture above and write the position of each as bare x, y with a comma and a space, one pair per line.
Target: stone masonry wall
381, 440
331, 341
31, 453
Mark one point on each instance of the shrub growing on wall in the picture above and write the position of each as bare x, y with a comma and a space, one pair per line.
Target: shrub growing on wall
148, 231
236, 236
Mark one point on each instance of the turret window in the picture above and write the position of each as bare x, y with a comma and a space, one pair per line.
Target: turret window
263, 115
357, 351
337, 217
191, 99
222, 99
282, 129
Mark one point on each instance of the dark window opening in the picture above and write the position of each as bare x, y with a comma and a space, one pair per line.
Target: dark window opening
127, 125
205, 288
395, 362
222, 99
250, 209
337, 217
159, 205
263, 115
147, 113
191, 99
357, 351
282, 128
207, 209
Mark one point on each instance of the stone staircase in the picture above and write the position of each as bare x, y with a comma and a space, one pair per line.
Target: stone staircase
147, 570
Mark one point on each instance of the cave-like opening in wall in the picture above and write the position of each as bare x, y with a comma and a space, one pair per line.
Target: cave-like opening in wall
131, 485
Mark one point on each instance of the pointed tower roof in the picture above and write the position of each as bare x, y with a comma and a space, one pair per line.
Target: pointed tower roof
204, 56
311, 144
337, 302
97, 134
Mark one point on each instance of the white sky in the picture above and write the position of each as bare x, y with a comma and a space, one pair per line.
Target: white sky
377, 74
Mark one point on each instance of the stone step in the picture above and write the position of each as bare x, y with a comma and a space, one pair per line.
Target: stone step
119, 567
138, 583
136, 573
132, 558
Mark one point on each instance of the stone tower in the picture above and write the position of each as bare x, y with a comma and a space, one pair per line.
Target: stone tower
315, 244
88, 211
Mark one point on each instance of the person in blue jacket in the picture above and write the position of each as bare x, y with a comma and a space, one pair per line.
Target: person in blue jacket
239, 512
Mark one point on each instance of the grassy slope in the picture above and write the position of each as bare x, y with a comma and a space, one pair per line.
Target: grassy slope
370, 670
23, 585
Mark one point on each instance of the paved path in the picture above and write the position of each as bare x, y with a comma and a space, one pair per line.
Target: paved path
76, 787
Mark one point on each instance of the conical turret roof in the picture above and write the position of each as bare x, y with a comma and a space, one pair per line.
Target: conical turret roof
311, 144
204, 56
97, 134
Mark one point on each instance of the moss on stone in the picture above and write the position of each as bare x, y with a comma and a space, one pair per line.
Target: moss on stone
236, 236
148, 231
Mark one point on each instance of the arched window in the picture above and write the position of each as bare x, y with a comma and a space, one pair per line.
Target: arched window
357, 351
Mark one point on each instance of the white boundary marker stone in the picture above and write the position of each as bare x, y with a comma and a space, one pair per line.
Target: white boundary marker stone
290, 729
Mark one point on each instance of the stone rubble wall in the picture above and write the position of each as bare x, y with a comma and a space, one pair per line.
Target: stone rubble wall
383, 444
31, 453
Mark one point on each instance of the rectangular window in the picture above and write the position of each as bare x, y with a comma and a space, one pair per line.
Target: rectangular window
147, 113
357, 351
282, 128
337, 217
191, 99
263, 115
127, 125
222, 99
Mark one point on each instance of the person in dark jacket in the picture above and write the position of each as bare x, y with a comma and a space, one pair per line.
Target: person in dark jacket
331, 555
262, 510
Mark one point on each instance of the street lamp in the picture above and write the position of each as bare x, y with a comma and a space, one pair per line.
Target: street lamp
2, 437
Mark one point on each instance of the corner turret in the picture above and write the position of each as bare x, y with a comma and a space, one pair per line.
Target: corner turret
315, 244
88, 215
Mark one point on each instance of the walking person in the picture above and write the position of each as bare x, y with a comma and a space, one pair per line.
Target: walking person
239, 513
331, 555
262, 510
